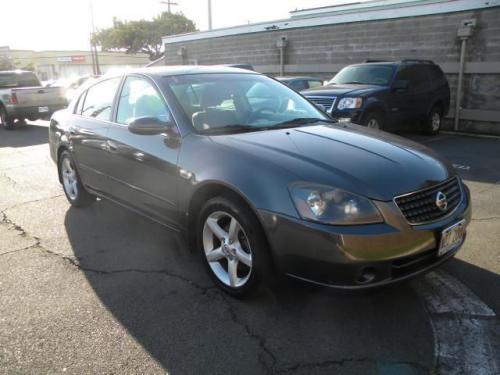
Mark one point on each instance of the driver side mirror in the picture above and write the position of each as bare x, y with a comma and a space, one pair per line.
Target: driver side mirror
151, 126
401, 85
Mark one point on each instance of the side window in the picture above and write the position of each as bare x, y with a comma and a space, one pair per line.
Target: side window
314, 84
139, 98
79, 105
99, 99
298, 85
416, 76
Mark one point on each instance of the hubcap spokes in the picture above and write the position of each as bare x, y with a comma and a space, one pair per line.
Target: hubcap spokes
227, 249
373, 124
436, 121
69, 179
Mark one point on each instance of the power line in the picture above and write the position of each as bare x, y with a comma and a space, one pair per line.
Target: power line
168, 3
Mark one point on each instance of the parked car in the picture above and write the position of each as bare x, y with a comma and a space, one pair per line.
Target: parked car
301, 83
387, 95
22, 96
260, 191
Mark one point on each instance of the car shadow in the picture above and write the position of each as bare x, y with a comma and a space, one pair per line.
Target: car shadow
158, 290
24, 135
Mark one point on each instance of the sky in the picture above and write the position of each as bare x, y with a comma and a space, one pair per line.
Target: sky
65, 24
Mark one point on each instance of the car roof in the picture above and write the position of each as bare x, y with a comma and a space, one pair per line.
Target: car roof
161, 71
289, 78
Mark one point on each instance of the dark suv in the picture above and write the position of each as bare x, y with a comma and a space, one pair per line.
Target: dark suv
387, 95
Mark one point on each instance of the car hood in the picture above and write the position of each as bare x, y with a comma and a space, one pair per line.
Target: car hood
367, 162
338, 90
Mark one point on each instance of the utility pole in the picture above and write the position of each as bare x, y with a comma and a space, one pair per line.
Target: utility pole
93, 47
209, 14
168, 3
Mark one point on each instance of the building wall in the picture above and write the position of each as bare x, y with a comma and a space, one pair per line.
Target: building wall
323, 50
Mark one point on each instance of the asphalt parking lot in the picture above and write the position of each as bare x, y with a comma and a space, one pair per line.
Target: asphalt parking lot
102, 290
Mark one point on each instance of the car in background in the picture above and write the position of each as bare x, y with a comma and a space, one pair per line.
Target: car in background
387, 95
301, 83
259, 180
22, 96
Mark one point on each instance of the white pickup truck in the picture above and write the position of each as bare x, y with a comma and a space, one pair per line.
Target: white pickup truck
23, 97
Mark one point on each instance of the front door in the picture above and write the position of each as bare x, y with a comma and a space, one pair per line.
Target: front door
143, 168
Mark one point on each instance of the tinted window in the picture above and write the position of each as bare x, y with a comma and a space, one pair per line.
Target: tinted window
416, 75
298, 84
435, 72
18, 80
314, 84
373, 74
99, 99
139, 98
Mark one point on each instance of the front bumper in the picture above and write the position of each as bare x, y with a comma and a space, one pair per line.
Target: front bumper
354, 257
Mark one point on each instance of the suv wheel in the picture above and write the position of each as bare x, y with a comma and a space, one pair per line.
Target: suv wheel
233, 246
72, 185
373, 121
7, 123
432, 124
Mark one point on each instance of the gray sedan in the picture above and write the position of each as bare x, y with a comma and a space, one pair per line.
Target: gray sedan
259, 180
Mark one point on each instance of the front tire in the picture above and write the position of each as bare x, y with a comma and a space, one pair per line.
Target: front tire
432, 124
233, 246
7, 122
373, 120
72, 185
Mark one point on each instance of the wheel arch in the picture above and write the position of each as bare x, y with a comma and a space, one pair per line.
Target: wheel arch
212, 189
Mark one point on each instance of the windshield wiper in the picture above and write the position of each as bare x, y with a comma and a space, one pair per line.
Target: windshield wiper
300, 121
233, 128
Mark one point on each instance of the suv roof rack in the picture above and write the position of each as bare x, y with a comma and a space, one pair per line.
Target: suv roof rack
376, 61
417, 61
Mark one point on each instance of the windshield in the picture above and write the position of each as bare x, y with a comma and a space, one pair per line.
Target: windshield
18, 80
223, 103
364, 74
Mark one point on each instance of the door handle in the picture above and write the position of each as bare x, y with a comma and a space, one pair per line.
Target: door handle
112, 147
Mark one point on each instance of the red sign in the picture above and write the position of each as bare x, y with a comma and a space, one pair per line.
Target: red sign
76, 58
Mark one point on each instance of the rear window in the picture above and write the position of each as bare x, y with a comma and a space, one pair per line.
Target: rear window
18, 80
435, 72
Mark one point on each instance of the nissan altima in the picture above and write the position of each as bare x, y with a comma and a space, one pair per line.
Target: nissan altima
258, 179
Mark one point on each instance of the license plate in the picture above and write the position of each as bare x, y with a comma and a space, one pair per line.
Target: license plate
43, 109
451, 238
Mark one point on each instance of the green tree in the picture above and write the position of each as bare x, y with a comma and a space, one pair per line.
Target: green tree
144, 35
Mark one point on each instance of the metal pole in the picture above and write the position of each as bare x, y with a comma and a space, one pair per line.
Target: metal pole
95, 57
209, 14
461, 69
282, 67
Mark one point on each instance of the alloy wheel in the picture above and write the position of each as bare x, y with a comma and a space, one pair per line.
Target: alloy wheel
373, 124
227, 249
70, 181
435, 121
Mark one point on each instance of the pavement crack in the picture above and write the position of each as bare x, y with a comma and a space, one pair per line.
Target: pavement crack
344, 361
261, 341
486, 218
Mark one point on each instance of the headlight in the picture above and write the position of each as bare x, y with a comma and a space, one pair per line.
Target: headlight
350, 103
333, 206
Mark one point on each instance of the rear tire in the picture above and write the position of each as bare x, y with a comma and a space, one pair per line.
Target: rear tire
7, 122
72, 185
432, 125
374, 120
233, 246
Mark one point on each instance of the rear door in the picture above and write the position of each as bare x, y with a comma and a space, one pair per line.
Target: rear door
408, 105
143, 168
88, 131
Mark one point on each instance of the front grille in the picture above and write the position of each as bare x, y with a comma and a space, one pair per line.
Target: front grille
420, 207
326, 101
